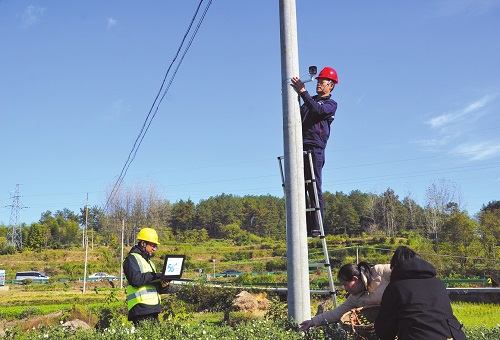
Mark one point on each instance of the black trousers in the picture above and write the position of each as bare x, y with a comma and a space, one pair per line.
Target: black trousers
147, 317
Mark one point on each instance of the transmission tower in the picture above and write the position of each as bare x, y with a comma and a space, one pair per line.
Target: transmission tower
15, 235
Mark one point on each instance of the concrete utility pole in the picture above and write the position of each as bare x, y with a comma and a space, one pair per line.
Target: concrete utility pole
86, 236
121, 257
299, 301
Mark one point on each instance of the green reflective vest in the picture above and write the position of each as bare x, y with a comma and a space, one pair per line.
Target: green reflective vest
146, 294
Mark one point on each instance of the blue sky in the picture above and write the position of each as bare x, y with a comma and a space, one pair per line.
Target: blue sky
418, 98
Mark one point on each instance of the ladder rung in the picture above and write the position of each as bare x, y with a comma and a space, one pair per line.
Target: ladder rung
314, 201
320, 264
317, 264
320, 291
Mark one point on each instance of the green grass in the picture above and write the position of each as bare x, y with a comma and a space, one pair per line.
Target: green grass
16, 303
18, 312
48, 298
208, 318
477, 314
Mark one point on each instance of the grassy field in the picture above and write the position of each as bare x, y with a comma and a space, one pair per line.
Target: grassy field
19, 302
477, 314
34, 300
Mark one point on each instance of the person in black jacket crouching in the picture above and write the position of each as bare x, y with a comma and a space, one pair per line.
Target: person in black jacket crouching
415, 304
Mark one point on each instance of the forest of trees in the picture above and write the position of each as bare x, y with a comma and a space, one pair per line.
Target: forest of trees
248, 219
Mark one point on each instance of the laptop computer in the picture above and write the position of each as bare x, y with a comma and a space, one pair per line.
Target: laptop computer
173, 266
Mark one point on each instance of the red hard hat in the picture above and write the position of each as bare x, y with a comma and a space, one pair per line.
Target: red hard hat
328, 73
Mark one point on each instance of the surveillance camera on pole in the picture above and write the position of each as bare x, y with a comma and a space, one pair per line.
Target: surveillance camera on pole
312, 72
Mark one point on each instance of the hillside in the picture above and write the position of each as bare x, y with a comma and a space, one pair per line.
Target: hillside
254, 258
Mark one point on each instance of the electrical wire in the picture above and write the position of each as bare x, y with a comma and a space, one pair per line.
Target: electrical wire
149, 117
171, 79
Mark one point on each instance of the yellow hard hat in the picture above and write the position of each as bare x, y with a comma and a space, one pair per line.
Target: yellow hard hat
148, 235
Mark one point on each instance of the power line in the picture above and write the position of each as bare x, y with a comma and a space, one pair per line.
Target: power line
335, 182
149, 117
332, 250
172, 78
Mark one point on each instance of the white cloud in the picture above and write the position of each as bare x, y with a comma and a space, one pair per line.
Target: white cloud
111, 22
473, 109
444, 119
478, 151
454, 131
32, 15
433, 142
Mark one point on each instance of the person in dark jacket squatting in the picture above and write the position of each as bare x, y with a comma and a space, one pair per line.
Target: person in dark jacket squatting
143, 295
415, 304
317, 115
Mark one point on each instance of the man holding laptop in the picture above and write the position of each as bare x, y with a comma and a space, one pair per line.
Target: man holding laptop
144, 284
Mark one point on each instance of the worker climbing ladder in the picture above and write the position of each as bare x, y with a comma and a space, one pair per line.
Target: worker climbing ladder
313, 206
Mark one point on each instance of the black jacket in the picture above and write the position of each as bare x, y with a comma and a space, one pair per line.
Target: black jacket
317, 114
416, 306
137, 279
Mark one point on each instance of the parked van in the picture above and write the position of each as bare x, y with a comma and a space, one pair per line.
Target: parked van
31, 275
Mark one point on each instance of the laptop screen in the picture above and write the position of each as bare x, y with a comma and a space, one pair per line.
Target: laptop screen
173, 267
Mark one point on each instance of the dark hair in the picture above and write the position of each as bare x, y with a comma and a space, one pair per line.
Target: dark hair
402, 253
347, 271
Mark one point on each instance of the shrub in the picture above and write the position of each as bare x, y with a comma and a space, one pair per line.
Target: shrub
259, 266
237, 256
174, 309
236, 318
315, 243
330, 331
256, 279
27, 281
203, 297
257, 253
278, 310
8, 249
276, 265
477, 333
266, 245
248, 330
30, 311
279, 252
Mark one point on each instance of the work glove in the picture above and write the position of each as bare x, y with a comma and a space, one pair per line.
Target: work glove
164, 283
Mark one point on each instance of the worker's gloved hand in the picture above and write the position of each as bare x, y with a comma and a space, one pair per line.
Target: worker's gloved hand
160, 276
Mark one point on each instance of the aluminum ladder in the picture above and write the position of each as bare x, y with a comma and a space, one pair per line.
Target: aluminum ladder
313, 206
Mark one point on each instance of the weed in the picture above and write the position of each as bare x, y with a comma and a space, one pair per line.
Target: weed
30, 311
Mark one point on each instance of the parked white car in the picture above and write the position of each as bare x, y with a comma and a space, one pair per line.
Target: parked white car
102, 276
32, 275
